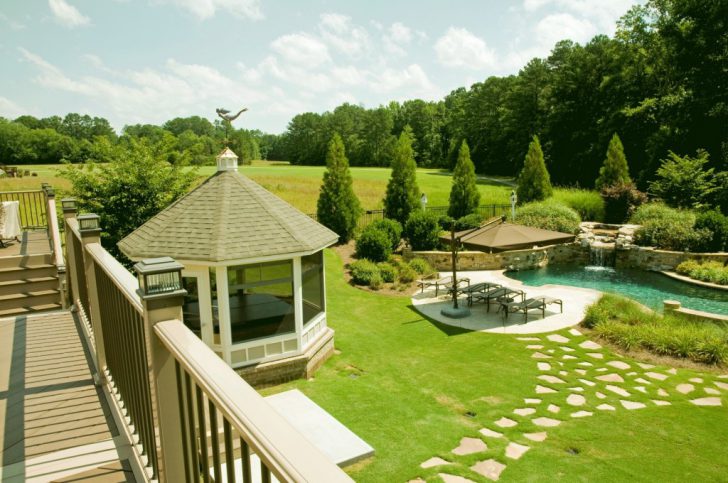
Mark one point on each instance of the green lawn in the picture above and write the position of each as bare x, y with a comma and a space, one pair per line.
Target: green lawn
404, 384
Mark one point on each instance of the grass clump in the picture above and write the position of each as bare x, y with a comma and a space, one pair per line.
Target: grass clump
713, 272
588, 203
388, 272
549, 215
364, 271
421, 266
626, 324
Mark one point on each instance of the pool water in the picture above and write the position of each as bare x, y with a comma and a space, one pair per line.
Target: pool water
649, 288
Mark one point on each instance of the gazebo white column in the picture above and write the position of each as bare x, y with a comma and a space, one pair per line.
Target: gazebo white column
298, 301
223, 312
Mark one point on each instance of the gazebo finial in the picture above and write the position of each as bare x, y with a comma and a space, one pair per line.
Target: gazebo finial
227, 160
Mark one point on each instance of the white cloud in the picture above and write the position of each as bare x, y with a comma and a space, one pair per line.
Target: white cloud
13, 24
413, 78
301, 49
349, 75
560, 26
67, 15
460, 48
398, 37
9, 109
603, 13
342, 35
204, 9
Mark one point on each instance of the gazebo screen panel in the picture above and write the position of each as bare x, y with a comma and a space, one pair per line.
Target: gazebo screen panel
312, 273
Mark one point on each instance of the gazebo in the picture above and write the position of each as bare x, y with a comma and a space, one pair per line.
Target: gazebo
253, 270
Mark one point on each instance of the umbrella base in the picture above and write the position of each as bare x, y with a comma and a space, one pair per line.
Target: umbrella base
453, 313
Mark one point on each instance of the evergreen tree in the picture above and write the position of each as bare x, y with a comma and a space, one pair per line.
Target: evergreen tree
403, 195
464, 194
534, 182
338, 208
614, 171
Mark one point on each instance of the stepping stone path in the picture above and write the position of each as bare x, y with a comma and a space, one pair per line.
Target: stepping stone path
553, 408
544, 390
538, 355
505, 423
685, 388
581, 414
454, 479
645, 366
435, 462
659, 402
546, 422
619, 365
574, 332
538, 437
606, 407
524, 411
515, 450
595, 355
528, 339
566, 348
532, 401
581, 372
601, 396
656, 375
491, 469
618, 390
543, 366
707, 401
534, 347
470, 446
696, 380
632, 404
576, 400
662, 392
490, 433
567, 357
611, 378
588, 382
642, 381
557, 338
710, 390
576, 389
672, 371
551, 379
722, 385
590, 345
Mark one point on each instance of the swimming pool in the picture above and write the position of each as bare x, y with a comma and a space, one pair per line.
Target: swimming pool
649, 288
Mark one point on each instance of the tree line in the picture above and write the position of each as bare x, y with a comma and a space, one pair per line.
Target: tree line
660, 83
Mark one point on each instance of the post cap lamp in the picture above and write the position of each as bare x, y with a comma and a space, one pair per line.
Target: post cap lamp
89, 222
69, 205
159, 276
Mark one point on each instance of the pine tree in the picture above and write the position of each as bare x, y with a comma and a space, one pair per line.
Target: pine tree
464, 194
534, 182
403, 195
338, 208
614, 171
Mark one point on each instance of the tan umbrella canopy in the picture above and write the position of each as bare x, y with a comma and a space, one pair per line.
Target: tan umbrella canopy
499, 237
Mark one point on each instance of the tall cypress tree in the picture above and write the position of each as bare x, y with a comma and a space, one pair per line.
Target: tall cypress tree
534, 182
338, 208
614, 171
464, 194
403, 195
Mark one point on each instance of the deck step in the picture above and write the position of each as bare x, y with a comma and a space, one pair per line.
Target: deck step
30, 285
30, 299
28, 272
29, 310
16, 261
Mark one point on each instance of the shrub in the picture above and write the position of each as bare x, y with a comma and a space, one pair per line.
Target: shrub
375, 283
374, 244
422, 231
534, 183
620, 201
468, 222
464, 194
362, 271
668, 228
713, 272
388, 272
655, 211
421, 266
717, 224
392, 228
407, 274
614, 171
549, 216
588, 203
683, 181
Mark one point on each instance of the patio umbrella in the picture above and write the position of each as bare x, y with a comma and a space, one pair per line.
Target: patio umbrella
498, 237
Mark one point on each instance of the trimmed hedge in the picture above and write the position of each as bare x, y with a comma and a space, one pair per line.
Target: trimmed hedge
391, 227
374, 244
549, 215
422, 230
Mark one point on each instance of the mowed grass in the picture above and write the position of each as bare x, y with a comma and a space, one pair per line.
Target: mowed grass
406, 385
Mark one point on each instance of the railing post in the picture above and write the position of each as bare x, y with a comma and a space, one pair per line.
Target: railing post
69, 212
54, 236
90, 230
160, 288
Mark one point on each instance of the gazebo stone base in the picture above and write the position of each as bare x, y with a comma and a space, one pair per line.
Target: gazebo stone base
290, 368
453, 313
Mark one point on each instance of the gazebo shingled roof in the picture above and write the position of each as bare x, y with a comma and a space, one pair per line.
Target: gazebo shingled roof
228, 217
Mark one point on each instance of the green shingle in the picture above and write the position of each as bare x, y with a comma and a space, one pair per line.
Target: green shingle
228, 217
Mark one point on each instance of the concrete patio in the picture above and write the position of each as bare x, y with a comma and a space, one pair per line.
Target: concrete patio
575, 301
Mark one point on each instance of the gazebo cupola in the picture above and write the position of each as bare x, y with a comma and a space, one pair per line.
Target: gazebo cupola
253, 270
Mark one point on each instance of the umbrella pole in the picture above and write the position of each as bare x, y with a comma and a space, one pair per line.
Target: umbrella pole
454, 267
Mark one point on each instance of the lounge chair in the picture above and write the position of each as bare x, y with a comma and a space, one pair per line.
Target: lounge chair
538, 303
551, 300
478, 289
499, 294
462, 285
438, 282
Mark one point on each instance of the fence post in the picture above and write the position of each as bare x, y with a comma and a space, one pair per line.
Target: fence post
160, 288
90, 230
69, 212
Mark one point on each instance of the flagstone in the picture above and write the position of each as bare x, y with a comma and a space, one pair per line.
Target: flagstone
721, 385
447, 478
645, 366
563, 373
619, 365
606, 407
581, 372
685, 388
417, 480
491, 469
524, 411
566, 348
707, 401
557, 338
662, 392
576, 400
505, 423
618, 390
551, 379
710, 390
595, 355
544, 390
470, 446
581, 414
574, 332
632, 373
515, 450
551, 351
614, 377
534, 346
641, 389
553, 408
539, 355
528, 339
576, 389
586, 364
543, 366
696, 380
659, 402
656, 375
489, 433
546, 422
672, 371
601, 369
538, 437
723, 376
531, 400
642, 381
632, 404
568, 357
587, 382
600, 395
435, 461
590, 345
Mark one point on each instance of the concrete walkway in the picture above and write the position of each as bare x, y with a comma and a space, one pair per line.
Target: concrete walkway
575, 301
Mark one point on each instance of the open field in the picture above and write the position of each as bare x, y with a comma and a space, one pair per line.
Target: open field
413, 388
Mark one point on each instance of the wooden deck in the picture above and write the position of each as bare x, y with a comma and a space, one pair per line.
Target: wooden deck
55, 424
34, 242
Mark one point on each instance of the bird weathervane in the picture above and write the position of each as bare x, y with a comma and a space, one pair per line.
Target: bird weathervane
228, 118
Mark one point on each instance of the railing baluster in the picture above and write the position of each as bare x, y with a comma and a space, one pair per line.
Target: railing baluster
229, 454
194, 447
264, 473
205, 462
182, 420
245, 461
214, 442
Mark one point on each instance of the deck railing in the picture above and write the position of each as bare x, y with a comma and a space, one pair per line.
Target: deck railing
32, 206
189, 416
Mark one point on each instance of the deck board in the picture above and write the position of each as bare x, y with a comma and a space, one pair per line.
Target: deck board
34, 242
50, 409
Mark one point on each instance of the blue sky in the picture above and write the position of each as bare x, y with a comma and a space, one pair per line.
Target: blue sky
150, 60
